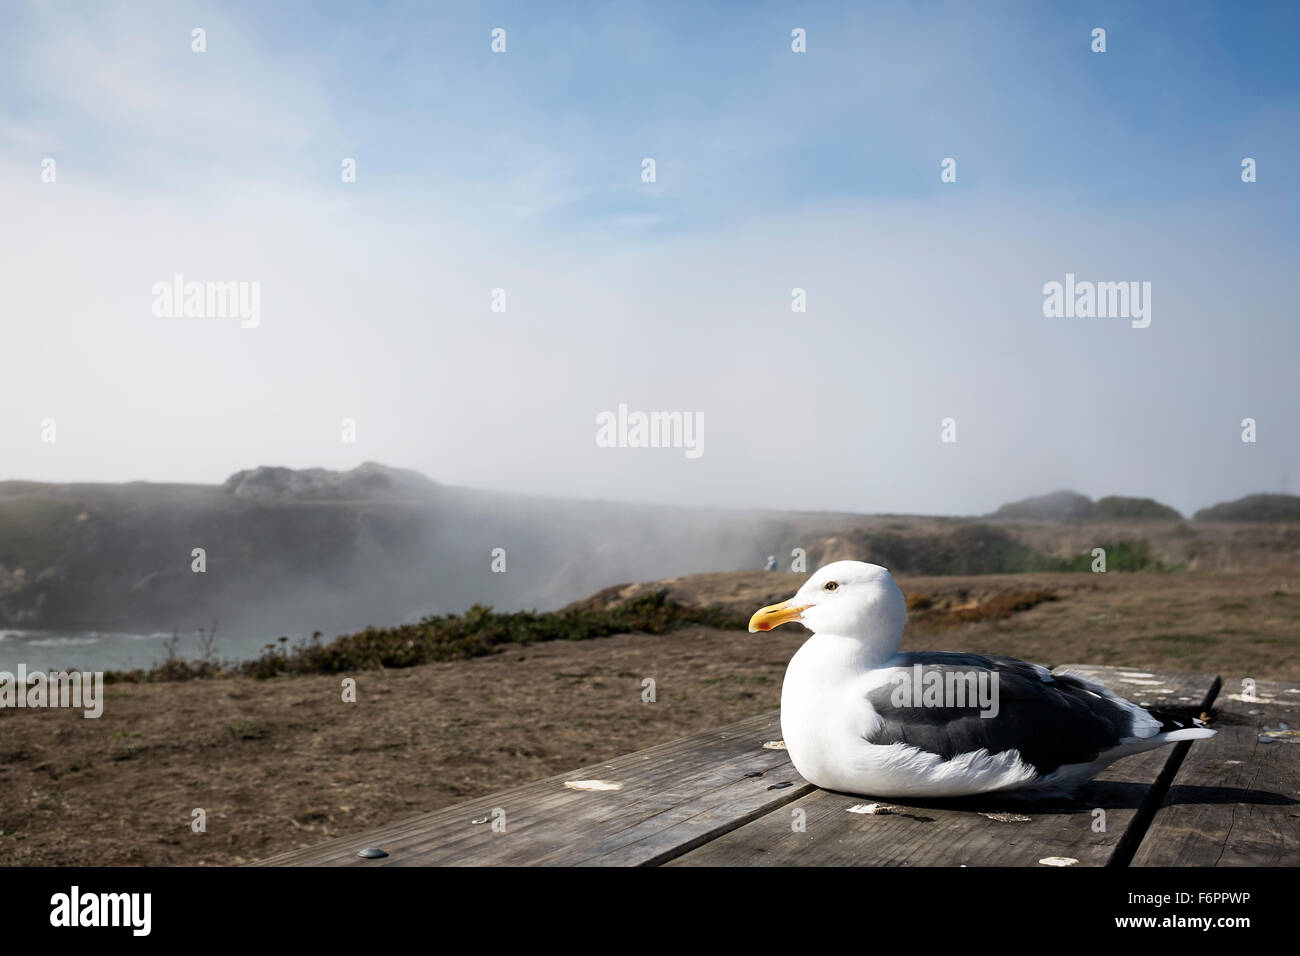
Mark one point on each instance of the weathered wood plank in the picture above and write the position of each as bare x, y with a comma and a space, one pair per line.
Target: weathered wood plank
1235, 800
985, 831
672, 797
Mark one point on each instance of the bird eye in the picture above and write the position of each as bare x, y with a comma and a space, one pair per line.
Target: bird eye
830, 585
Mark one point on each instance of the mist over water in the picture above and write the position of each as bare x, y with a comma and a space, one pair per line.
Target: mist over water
291, 553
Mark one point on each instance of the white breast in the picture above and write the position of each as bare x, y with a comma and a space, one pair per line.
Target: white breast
825, 717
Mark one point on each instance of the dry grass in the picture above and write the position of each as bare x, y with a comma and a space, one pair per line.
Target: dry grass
284, 762
926, 611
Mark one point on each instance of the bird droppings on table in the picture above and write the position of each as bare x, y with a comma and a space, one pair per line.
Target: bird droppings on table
1252, 699
781, 786
874, 809
1281, 734
1058, 861
1008, 817
774, 745
593, 785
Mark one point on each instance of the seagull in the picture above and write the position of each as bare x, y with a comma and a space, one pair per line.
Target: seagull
862, 718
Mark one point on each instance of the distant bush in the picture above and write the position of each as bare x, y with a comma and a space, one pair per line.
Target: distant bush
477, 632
1254, 508
1124, 556
965, 549
984, 549
1072, 506
1117, 508
1058, 506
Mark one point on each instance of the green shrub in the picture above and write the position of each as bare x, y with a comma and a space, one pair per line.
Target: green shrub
965, 549
1124, 556
1254, 508
1119, 508
477, 632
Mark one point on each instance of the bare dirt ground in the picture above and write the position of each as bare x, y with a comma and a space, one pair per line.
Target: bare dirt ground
284, 763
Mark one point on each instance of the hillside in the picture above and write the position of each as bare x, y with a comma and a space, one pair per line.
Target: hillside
295, 551
1057, 506
1254, 508
1072, 506
303, 550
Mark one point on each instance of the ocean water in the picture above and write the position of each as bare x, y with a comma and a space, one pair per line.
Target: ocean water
112, 650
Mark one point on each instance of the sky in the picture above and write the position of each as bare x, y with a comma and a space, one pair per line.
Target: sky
775, 170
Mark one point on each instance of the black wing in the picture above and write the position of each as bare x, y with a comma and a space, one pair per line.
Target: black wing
1051, 721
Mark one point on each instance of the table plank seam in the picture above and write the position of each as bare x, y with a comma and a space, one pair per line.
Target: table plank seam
725, 828
1128, 845
1227, 838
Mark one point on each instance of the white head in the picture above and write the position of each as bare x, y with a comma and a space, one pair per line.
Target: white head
847, 599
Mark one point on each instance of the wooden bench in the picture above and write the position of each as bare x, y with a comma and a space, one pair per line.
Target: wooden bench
1233, 803
731, 797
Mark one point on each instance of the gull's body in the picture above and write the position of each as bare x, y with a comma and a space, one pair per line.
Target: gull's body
845, 728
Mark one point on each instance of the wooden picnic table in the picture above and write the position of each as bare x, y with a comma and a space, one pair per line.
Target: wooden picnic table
731, 797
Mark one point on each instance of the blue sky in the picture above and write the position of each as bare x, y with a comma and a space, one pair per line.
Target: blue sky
774, 170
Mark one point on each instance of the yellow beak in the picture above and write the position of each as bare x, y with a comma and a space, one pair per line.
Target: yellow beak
775, 615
